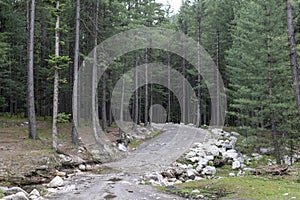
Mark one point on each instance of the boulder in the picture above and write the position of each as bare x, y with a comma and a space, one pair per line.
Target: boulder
231, 154
56, 182
193, 159
88, 168
212, 150
231, 174
203, 161
13, 190
17, 196
190, 174
190, 154
121, 147
82, 167
236, 164
235, 134
34, 192
209, 170
199, 168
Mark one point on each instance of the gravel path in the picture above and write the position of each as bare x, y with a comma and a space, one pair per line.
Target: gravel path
152, 155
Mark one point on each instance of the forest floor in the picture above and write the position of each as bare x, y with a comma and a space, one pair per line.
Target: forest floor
23, 162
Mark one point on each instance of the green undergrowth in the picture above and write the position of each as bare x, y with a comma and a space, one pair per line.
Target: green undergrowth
248, 187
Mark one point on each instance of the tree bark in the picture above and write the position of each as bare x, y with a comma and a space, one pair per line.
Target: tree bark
95, 120
198, 124
30, 79
75, 81
218, 79
104, 116
169, 88
272, 117
146, 90
56, 77
293, 53
136, 94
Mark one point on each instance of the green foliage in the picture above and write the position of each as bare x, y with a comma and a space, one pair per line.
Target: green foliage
63, 118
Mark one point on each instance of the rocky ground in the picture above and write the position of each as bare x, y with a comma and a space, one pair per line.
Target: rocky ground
180, 155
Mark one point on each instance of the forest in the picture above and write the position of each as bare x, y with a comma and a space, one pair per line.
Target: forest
253, 43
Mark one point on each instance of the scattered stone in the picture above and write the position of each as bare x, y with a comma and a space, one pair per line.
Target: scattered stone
235, 134
232, 154
256, 156
56, 182
231, 174
13, 190
121, 147
82, 167
34, 192
17, 196
88, 168
209, 170
196, 191
190, 174
236, 164
61, 174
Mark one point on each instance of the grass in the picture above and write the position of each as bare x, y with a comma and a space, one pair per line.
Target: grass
1, 193
248, 187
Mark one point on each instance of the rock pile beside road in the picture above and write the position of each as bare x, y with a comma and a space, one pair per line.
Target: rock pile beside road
202, 161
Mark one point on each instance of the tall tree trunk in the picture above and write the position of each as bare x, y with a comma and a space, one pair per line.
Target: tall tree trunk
104, 117
218, 79
272, 117
30, 79
146, 90
136, 94
55, 92
293, 53
75, 81
169, 87
95, 119
121, 103
198, 124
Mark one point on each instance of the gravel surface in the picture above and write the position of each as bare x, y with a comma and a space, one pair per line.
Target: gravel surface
122, 181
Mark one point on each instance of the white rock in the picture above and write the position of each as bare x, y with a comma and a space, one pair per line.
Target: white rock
230, 154
121, 147
236, 165
17, 196
190, 154
82, 167
193, 159
190, 174
199, 168
231, 174
203, 161
88, 168
209, 158
56, 182
241, 173
35, 192
209, 170
52, 190
248, 169
13, 190
256, 156
213, 150
196, 191
198, 178
287, 160
235, 134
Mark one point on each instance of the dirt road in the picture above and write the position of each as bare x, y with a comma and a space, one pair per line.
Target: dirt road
121, 181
